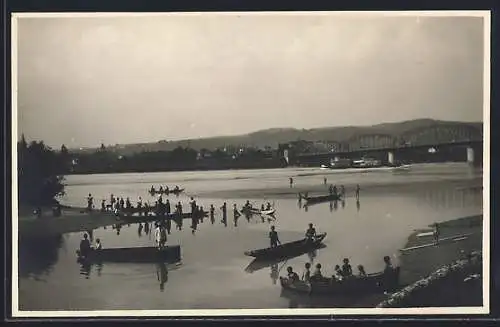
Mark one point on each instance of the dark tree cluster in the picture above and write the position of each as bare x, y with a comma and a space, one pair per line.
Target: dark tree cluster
40, 173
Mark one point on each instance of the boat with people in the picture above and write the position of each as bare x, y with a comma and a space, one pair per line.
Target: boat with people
321, 198
166, 191
343, 281
257, 211
149, 254
288, 249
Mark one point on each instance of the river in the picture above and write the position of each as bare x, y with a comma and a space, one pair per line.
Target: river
212, 273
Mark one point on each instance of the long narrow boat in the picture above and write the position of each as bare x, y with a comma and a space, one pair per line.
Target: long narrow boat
173, 191
255, 211
133, 255
372, 283
287, 249
258, 264
322, 198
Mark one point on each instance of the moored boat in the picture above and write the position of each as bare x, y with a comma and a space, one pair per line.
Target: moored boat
288, 249
371, 283
133, 255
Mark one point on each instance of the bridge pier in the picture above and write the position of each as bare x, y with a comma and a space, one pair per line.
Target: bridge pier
390, 157
470, 155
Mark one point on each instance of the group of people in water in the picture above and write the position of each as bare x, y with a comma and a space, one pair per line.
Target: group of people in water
86, 245
342, 273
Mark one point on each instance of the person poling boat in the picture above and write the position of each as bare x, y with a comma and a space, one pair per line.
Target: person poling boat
273, 237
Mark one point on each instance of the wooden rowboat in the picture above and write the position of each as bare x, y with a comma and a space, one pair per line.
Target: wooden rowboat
372, 283
318, 199
255, 211
174, 191
288, 249
133, 255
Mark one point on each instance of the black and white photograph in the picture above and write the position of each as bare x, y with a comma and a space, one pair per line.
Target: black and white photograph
250, 163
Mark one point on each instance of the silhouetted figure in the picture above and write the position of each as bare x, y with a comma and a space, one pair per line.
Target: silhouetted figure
85, 245
103, 205
212, 214
291, 182
324, 181
146, 228
273, 237
139, 230
90, 202
168, 225
436, 233
224, 213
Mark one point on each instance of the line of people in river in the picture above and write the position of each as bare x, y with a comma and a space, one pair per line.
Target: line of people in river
342, 273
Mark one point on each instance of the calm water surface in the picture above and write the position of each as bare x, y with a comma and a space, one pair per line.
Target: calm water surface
212, 273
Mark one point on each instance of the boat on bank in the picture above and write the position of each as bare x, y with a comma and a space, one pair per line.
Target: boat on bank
287, 249
371, 283
148, 254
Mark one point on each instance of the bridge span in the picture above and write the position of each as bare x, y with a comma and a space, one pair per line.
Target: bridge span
463, 151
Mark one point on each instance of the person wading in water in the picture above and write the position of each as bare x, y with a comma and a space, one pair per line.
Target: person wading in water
273, 236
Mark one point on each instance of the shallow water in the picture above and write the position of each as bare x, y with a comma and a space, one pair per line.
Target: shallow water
212, 273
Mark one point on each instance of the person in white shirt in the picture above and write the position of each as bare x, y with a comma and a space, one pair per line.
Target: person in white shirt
98, 245
158, 235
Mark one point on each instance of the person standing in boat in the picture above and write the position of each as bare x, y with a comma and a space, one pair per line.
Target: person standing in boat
128, 204
273, 237
346, 268
85, 246
122, 203
310, 233
262, 208
212, 214
292, 275
98, 245
357, 191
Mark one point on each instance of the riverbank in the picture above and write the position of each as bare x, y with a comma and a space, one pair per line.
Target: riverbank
437, 275
71, 220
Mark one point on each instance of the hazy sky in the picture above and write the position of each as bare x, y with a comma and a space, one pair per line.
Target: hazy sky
83, 81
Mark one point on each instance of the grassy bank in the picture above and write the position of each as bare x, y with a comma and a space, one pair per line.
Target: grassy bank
71, 220
436, 274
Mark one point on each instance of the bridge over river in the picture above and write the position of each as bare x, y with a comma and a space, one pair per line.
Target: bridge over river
438, 143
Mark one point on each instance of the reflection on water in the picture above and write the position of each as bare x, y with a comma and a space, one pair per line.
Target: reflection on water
38, 255
162, 275
216, 253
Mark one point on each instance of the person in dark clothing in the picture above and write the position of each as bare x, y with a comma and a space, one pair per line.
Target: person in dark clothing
212, 214
85, 245
346, 268
224, 212
310, 233
128, 204
122, 203
357, 192
103, 205
273, 236
292, 275
436, 233
291, 182
90, 202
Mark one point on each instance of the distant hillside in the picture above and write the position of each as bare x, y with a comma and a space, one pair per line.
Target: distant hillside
274, 136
